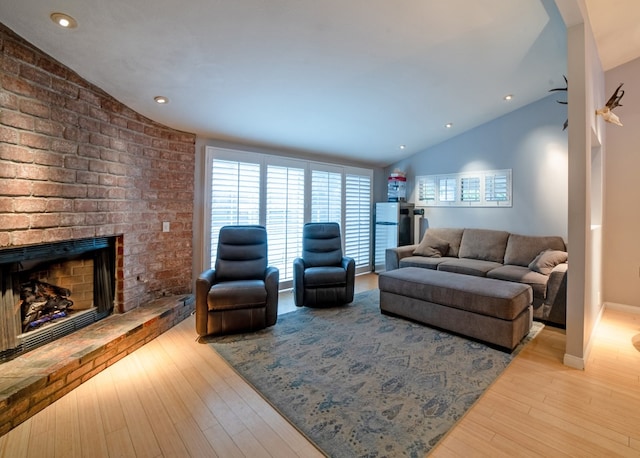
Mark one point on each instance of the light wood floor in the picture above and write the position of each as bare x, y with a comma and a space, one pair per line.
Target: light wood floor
175, 397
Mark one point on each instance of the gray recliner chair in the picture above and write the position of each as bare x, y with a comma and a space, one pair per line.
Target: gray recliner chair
322, 276
241, 293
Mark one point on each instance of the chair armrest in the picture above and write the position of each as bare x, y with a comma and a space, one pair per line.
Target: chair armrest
349, 264
272, 283
392, 256
298, 281
203, 285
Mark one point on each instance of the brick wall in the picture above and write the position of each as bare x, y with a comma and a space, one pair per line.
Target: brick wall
76, 163
76, 275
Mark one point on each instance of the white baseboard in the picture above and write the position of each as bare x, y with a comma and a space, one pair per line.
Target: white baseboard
580, 363
622, 307
574, 361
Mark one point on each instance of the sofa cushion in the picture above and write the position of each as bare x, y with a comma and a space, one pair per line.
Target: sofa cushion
475, 267
315, 277
452, 236
522, 249
484, 244
547, 260
432, 246
422, 261
537, 281
235, 295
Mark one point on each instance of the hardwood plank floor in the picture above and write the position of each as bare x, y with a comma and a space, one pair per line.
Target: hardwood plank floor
175, 397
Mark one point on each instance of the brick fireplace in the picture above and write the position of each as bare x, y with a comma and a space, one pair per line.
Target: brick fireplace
50, 290
77, 164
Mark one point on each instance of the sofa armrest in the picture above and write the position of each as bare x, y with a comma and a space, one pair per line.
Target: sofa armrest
555, 304
392, 256
203, 285
556, 282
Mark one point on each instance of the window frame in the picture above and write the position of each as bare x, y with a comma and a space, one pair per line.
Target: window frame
265, 160
429, 191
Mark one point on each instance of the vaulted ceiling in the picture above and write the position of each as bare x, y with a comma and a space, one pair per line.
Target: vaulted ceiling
354, 79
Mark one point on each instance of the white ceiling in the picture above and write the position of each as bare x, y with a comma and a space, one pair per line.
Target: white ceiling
354, 79
616, 28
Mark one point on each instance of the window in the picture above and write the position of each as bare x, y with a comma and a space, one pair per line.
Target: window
427, 190
491, 188
326, 196
447, 189
470, 189
285, 216
282, 194
357, 231
235, 196
497, 187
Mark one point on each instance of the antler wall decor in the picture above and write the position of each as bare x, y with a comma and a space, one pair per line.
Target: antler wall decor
613, 102
566, 123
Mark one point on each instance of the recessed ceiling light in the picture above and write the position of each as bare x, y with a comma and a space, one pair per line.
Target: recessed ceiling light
162, 100
64, 20
448, 125
508, 97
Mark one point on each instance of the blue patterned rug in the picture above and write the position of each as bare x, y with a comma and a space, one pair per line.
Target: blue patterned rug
359, 383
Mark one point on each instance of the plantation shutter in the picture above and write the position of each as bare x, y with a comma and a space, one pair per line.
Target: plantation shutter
358, 218
470, 189
427, 190
235, 197
447, 189
284, 216
497, 186
326, 196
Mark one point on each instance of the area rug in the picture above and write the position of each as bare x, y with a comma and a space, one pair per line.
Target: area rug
359, 383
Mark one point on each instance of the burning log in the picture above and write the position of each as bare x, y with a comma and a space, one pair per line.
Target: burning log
41, 302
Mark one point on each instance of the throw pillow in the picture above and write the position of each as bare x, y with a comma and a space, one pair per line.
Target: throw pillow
547, 260
431, 246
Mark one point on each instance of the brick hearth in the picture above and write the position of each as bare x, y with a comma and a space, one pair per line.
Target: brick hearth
32, 381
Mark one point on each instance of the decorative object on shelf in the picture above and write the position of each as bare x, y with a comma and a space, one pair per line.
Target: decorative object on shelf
614, 101
397, 186
565, 88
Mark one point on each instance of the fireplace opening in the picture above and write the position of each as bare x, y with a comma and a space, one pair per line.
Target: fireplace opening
51, 290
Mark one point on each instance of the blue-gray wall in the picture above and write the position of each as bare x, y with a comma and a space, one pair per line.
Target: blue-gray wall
531, 142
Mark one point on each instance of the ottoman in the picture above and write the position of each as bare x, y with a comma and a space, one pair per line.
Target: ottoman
494, 311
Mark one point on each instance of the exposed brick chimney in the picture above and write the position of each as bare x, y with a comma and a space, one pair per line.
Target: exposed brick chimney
76, 163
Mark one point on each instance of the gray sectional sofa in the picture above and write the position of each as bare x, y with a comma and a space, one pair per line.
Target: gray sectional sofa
537, 261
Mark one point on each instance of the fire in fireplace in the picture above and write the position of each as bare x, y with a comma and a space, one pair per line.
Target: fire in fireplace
50, 290
42, 303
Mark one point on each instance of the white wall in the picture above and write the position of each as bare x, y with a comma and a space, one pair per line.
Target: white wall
621, 223
531, 142
586, 137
